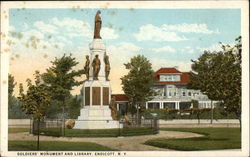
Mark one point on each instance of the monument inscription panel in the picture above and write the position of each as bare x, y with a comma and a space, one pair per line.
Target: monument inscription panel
105, 96
96, 95
87, 96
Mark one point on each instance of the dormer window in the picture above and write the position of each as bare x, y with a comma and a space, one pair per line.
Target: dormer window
170, 77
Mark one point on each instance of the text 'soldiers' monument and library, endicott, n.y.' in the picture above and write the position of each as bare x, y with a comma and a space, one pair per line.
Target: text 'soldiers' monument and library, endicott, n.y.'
96, 113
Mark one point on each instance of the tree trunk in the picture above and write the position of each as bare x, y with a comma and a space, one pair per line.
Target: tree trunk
212, 112
198, 116
137, 114
38, 133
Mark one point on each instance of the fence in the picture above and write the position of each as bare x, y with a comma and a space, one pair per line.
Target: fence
56, 127
19, 123
27, 123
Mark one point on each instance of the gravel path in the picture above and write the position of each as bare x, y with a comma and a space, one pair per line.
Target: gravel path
134, 143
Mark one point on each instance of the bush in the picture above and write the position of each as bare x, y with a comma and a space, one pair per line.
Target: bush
161, 113
70, 124
169, 114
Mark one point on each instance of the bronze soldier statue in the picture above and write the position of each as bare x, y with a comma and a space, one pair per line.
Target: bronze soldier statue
96, 67
86, 67
107, 67
98, 25
112, 106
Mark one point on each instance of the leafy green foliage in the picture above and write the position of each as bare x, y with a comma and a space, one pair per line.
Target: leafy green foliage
218, 75
14, 109
138, 82
60, 77
37, 98
11, 86
168, 114
73, 107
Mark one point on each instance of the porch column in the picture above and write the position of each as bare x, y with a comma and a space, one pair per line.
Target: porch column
161, 105
177, 105
146, 105
117, 106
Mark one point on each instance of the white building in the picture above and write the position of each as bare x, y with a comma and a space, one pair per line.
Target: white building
171, 87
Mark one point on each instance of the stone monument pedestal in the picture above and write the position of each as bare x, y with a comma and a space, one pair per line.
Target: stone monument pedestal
96, 118
96, 113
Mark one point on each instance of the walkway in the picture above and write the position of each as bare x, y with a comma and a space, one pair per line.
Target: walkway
133, 143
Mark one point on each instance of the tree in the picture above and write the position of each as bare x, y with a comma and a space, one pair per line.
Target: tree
73, 107
36, 100
14, 109
60, 77
137, 84
11, 86
218, 75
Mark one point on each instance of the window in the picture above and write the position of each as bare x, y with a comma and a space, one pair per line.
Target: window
183, 94
176, 78
170, 77
169, 94
189, 94
153, 105
169, 105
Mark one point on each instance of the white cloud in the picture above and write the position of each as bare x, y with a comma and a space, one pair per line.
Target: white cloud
123, 51
212, 48
73, 27
166, 49
154, 33
63, 39
189, 28
189, 50
47, 28
108, 33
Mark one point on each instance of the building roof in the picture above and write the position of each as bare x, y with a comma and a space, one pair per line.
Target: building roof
184, 76
168, 71
120, 97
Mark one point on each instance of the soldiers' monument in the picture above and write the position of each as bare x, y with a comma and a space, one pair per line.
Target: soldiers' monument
96, 113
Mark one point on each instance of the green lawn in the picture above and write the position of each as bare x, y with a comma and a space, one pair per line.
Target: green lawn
214, 139
17, 130
56, 146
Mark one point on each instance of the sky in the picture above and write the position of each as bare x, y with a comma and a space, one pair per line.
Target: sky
167, 37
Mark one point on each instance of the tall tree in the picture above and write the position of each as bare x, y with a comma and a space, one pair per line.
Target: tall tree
137, 84
36, 100
61, 78
11, 86
218, 75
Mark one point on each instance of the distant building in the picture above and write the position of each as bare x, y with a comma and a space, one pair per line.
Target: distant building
171, 87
